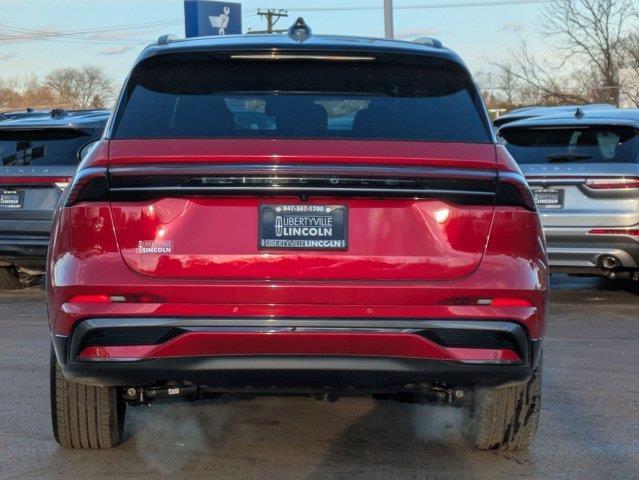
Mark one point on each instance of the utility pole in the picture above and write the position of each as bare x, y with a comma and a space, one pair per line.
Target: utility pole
388, 19
272, 17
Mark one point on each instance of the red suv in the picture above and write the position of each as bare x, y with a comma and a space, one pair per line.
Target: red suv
297, 214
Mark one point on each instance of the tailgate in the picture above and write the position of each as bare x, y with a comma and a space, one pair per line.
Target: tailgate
396, 211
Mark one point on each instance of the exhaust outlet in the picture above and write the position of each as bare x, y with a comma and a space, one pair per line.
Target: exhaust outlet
609, 262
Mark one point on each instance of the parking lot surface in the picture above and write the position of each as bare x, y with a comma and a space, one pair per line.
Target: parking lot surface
589, 424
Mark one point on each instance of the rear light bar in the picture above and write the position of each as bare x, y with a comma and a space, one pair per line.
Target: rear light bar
633, 232
17, 181
612, 183
460, 185
464, 186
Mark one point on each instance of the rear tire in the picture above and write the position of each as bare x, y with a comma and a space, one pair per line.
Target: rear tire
504, 417
10, 279
85, 416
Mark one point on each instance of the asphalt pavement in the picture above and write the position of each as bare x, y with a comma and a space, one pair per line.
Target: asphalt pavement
589, 423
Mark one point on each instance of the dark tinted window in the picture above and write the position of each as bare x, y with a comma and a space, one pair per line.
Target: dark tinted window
41, 147
589, 144
202, 98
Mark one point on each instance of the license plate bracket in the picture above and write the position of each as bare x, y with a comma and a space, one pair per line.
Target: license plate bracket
11, 198
303, 227
548, 198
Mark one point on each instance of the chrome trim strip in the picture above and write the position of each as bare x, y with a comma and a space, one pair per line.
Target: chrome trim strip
296, 169
297, 190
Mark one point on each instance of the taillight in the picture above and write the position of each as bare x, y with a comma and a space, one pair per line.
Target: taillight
512, 189
612, 183
38, 181
633, 232
90, 181
89, 185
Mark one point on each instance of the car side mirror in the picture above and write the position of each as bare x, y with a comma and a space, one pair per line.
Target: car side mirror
85, 149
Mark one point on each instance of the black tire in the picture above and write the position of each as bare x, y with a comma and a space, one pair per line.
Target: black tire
85, 416
10, 279
504, 417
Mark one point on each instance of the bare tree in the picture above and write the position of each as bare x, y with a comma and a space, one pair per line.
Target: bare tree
630, 69
589, 38
24, 92
539, 82
593, 32
86, 87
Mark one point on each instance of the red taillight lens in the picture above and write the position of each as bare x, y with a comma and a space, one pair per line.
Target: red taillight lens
16, 180
634, 232
612, 183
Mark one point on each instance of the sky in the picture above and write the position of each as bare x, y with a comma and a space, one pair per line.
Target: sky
479, 34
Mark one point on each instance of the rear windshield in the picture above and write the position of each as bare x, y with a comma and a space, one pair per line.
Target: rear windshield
202, 98
41, 147
584, 144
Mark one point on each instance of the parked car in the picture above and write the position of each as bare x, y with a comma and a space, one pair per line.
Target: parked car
524, 113
583, 168
38, 156
398, 253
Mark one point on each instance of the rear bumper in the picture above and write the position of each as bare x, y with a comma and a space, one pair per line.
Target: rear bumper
573, 249
24, 238
299, 354
24, 251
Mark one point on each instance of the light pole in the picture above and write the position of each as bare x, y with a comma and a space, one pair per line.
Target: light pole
388, 19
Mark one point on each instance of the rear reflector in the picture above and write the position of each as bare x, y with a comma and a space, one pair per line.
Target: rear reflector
90, 299
510, 302
633, 232
491, 302
114, 299
612, 183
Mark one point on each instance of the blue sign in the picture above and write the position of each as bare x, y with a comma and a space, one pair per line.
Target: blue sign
204, 17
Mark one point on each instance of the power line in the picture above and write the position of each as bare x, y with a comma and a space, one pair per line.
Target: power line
29, 34
422, 6
272, 17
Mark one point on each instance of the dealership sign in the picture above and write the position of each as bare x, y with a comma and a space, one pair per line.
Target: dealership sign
204, 17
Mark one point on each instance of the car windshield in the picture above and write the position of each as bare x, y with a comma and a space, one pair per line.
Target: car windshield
584, 144
41, 147
198, 97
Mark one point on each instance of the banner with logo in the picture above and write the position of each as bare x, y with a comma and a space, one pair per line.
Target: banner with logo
205, 17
